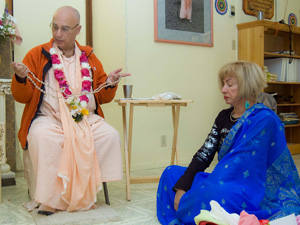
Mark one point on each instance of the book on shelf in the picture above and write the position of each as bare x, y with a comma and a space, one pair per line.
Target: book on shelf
287, 70
289, 118
289, 115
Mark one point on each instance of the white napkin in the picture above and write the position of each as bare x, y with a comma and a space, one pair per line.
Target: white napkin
166, 96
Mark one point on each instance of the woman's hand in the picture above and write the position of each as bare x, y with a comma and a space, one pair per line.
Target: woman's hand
115, 75
20, 69
179, 194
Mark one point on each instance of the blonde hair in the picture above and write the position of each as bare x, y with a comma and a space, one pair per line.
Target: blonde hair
251, 79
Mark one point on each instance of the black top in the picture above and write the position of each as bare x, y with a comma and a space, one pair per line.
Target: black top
204, 156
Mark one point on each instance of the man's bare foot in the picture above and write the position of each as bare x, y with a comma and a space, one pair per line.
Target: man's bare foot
94, 206
45, 210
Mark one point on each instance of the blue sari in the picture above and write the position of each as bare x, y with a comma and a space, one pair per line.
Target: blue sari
255, 173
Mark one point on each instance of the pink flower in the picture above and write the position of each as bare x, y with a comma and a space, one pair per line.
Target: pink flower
85, 73
55, 59
62, 83
58, 74
83, 57
54, 56
67, 91
1, 22
84, 98
86, 85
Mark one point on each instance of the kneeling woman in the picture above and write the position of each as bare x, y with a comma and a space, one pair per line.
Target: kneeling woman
255, 172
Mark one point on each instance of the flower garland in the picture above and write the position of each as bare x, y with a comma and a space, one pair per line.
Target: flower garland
7, 26
77, 104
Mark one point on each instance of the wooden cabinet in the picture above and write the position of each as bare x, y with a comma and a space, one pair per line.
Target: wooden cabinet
259, 40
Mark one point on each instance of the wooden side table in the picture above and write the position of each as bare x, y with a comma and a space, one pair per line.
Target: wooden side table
175, 104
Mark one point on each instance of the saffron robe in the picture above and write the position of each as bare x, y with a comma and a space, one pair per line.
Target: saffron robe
67, 161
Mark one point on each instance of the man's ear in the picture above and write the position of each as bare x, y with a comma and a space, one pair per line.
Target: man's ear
78, 29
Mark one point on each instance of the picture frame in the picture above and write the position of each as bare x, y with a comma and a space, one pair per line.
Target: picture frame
184, 22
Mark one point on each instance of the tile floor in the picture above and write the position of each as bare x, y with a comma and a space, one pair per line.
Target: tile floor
140, 210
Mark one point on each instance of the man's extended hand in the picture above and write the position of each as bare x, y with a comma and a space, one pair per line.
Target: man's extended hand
115, 75
20, 69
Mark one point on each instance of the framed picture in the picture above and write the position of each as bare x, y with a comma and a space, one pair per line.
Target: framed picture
184, 22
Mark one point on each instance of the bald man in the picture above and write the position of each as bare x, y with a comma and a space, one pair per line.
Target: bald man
71, 150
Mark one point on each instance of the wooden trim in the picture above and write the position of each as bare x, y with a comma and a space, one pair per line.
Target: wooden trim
89, 22
9, 4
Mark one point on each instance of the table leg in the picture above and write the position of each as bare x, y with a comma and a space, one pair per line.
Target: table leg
130, 134
126, 153
175, 150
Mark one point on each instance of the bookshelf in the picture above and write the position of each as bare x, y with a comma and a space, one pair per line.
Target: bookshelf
260, 40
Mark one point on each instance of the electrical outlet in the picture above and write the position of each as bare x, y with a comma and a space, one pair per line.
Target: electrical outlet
163, 140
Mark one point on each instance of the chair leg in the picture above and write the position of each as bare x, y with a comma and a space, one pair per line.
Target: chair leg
106, 193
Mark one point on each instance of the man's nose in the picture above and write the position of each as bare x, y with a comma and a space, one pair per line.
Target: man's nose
58, 32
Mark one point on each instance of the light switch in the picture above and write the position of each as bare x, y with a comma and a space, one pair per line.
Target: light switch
231, 10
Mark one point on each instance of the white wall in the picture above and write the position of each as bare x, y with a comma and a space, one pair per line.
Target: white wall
124, 37
109, 29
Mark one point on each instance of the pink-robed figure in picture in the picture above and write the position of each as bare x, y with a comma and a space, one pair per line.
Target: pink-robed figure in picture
186, 9
70, 148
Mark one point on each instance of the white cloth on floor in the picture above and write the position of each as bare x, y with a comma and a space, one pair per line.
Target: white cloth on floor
217, 215
220, 214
